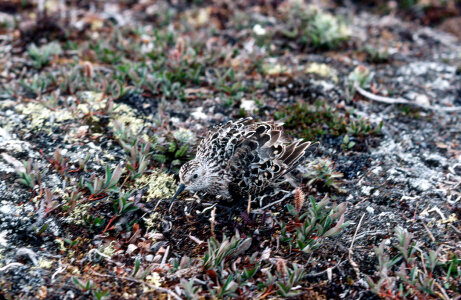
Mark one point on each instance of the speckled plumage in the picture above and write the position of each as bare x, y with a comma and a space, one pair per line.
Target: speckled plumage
240, 158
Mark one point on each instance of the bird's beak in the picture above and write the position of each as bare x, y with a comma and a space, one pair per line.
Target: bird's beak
181, 188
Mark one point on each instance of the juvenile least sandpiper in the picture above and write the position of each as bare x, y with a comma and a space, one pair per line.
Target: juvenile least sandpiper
240, 159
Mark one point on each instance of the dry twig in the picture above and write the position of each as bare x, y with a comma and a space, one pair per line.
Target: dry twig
388, 100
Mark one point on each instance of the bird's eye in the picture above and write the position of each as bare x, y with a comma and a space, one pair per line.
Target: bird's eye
195, 176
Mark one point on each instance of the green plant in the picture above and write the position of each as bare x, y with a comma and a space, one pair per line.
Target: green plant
84, 286
361, 76
190, 290
326, 30
170, 149
347, 143
93, 221
218, 253
314, 27
308, 230
361, 127
288, 279
31, 174
137, 157
41, 56
322, 172
90, 286
418, 274
376, 55
99, 185
100, 295
227, 289
123, 205
36, 85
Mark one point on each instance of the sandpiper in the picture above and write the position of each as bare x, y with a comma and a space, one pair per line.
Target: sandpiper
240, 159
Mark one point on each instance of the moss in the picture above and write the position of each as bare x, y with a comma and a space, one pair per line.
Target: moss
160, 186
313, 121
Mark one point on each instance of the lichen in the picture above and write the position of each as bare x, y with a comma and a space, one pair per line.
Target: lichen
184, 135
61, 244
153, 279
91, 101
45, 264
40, 116
77, 215
109, 250
152, 220
322, 70
161, 185
127, 116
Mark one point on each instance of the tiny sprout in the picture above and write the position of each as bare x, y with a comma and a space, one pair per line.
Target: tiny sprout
31, 174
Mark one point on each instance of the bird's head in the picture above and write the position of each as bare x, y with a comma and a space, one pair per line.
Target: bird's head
193, 176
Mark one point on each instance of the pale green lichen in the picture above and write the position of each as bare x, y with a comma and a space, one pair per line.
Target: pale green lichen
152, 221
77, 215
153, 279
61, 244
127, 116
322, 70
91, 101
161, 186
45, 264
109, 250
184, 135
40, 116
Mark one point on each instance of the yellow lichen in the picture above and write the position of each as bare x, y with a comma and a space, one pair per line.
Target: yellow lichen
41, 116
153, 279
152, 220
91, 102
274, 69
61, 244
45, 264
127, 116
161, 186
109, 250
77, 215
320, 69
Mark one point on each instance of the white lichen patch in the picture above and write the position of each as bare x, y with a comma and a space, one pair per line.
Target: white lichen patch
77, 215
161, 186
41, 116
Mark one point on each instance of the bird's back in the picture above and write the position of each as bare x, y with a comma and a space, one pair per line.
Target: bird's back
250, 156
